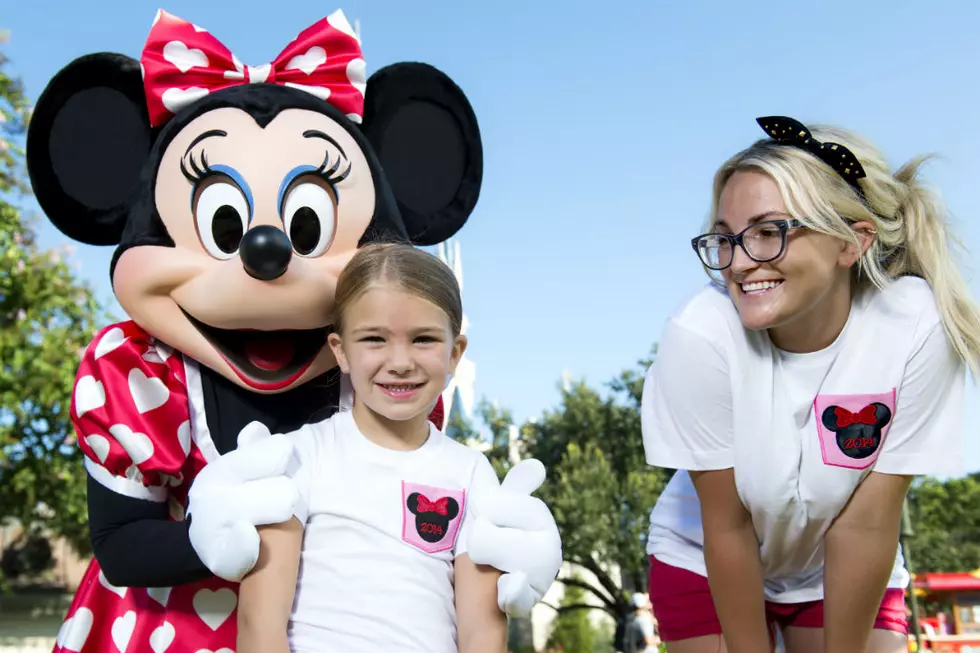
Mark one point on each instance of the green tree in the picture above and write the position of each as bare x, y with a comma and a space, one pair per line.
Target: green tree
599, 486
946, 524
573, 632
497, 422
47, 317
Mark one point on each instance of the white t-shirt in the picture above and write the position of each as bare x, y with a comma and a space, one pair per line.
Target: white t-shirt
800, 430
382, 529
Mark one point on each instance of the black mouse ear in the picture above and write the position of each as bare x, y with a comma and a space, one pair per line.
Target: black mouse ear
883, 414
86, 145
829, 418
452, 508
426, 137
413, 503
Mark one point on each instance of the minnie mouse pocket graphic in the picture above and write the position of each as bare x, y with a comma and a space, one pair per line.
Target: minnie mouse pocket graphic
431, 516
852, 428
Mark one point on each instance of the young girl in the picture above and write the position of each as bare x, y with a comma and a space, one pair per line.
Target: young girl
375, 558
800, 395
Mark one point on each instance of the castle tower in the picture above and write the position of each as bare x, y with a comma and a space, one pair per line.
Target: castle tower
458, 398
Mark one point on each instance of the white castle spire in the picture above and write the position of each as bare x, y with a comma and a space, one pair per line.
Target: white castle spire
459, 394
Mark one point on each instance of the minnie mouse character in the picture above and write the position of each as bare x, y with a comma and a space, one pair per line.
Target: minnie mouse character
858, 434
235, 196
432, 517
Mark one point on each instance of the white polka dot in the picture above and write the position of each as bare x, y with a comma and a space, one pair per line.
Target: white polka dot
100, 445
75, 630
148, 393
214, 607
258, 74
162, 637
163, 350
89, 395
104, 582
175, 99
184, 436
159, 594
137, 445
183, 57
357, 74
110, 341
339, 22
354, 117
308, 62
122, 630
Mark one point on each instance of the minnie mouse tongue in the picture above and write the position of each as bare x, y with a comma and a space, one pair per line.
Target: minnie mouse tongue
269, 355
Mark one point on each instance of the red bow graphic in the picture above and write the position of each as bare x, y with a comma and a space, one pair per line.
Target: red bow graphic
182, 63
441, 506
846, 417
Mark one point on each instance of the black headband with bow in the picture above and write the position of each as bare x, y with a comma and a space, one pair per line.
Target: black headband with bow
788, 131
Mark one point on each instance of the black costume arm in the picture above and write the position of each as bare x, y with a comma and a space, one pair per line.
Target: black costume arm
136, 543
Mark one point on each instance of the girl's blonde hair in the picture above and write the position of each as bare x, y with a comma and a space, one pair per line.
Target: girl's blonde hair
403, 267
913, 235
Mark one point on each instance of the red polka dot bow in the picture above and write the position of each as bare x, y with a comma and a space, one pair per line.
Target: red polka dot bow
866, 415
440, 506
182, 63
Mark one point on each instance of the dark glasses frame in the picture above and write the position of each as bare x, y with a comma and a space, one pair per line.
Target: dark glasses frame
736, 240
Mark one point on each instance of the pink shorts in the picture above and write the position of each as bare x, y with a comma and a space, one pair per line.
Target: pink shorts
683, 607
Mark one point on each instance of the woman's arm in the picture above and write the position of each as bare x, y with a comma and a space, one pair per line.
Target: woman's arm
731, 554
481, 626
266, 595
924, 438
860, 553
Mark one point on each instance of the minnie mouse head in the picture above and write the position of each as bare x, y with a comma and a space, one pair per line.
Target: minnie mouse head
858, 434
236, 194
432, 517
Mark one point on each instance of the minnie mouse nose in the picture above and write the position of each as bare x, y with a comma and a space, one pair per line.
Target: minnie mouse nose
265, 252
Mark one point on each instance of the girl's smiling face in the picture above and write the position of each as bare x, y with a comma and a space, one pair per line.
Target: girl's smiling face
399, 351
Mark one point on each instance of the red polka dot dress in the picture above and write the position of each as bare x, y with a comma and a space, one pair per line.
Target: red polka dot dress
132, 418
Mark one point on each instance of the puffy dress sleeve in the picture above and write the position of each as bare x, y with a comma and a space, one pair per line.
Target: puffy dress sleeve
130, 412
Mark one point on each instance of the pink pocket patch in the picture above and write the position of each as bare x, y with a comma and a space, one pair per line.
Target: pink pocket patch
852, 428
431, 516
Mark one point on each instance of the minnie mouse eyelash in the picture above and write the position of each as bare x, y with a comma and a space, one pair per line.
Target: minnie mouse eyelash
330, 176
200, 173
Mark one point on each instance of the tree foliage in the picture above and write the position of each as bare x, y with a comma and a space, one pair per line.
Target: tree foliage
47, 317
572, 630
599, 486
946, 523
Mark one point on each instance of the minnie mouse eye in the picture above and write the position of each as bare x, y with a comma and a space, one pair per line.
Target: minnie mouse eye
221, 216
310, 219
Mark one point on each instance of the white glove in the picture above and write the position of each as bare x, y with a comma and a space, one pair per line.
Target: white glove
517, 534
242, 489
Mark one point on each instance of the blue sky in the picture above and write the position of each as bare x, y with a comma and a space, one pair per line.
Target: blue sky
603, 124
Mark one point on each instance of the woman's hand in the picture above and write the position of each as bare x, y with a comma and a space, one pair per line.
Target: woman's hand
731, 554
860, 553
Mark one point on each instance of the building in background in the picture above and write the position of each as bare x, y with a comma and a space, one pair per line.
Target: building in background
458, 397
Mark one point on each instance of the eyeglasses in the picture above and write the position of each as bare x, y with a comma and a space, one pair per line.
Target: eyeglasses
762, 242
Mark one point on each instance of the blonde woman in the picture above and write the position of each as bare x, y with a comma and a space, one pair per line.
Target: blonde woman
798, 396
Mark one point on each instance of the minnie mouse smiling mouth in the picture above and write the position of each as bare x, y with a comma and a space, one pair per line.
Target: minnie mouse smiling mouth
265, 360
